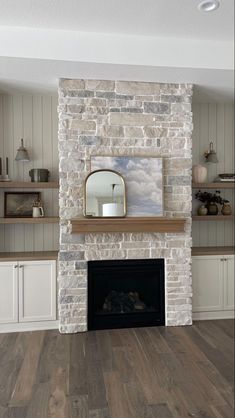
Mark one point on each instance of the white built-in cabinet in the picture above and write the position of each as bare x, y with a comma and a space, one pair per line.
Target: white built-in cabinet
228, 296
27, 295
8, 292
213, 286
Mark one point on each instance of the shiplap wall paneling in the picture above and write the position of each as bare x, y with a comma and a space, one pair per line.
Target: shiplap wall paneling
229, 163
34, 118
220, 148
214, 122
2, 230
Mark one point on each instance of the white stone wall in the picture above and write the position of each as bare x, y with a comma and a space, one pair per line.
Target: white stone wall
114, 118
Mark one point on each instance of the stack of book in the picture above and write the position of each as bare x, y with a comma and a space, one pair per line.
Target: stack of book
226, 177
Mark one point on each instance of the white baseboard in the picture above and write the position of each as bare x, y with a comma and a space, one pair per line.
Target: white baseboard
29, 326
200, 316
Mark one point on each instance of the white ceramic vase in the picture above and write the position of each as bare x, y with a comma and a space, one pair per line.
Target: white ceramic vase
199, 173
38, 212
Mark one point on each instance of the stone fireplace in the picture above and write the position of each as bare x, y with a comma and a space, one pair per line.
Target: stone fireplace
118, 118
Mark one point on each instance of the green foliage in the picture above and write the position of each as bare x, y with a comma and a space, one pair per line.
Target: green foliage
208, 198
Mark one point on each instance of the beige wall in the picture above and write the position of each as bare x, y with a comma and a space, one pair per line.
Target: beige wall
33, 117
214, 122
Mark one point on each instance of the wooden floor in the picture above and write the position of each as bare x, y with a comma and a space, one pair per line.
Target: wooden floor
135, 373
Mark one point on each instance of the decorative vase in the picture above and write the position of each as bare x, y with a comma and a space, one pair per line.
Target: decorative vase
199, 173
38, 212
212, 208
202, 210
226, 209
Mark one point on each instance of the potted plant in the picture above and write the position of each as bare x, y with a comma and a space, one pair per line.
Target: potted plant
210, 200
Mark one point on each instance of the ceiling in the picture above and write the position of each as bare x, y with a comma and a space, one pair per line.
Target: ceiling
146, 40
167, 18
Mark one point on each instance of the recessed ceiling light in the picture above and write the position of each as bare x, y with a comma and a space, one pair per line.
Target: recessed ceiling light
208, 5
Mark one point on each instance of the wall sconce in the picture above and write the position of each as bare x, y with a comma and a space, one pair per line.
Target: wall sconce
22, 153
210, 155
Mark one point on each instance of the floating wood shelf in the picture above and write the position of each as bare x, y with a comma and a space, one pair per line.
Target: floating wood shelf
227, 250
218, 185
213, 218
29, 185
28, 256
128, 224
44, 220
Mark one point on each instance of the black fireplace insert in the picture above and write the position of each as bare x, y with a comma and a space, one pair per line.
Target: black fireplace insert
126, 293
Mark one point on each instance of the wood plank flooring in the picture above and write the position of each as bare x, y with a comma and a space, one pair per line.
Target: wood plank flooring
159, 372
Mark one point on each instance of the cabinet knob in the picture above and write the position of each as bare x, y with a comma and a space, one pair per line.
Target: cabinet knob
15, 266
20, 266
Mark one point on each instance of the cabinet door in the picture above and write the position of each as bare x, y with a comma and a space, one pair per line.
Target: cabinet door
8, 292
229, 283
37, 291
207, 279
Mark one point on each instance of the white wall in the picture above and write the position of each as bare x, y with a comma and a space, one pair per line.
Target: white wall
34, 118
214, 122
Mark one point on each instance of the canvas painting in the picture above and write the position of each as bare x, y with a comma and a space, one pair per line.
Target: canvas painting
19, 204
143, 178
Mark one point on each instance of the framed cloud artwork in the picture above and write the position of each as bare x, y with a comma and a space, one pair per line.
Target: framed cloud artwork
144, 182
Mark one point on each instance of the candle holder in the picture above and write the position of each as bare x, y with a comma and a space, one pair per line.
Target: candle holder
6, 177
1, 176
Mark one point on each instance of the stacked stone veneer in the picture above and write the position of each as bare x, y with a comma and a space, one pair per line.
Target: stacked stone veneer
110, 118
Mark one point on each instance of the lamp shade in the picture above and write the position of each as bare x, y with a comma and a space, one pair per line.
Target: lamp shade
211, 156
22, 153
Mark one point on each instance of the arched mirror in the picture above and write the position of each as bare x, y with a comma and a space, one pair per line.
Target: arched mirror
105, 194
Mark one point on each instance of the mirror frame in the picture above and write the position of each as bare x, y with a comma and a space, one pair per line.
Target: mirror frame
85, 195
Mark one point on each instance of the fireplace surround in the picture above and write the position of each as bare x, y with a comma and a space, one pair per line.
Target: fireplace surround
120, 118
126, 293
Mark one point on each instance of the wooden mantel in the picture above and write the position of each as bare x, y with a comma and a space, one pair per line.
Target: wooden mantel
128, 224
